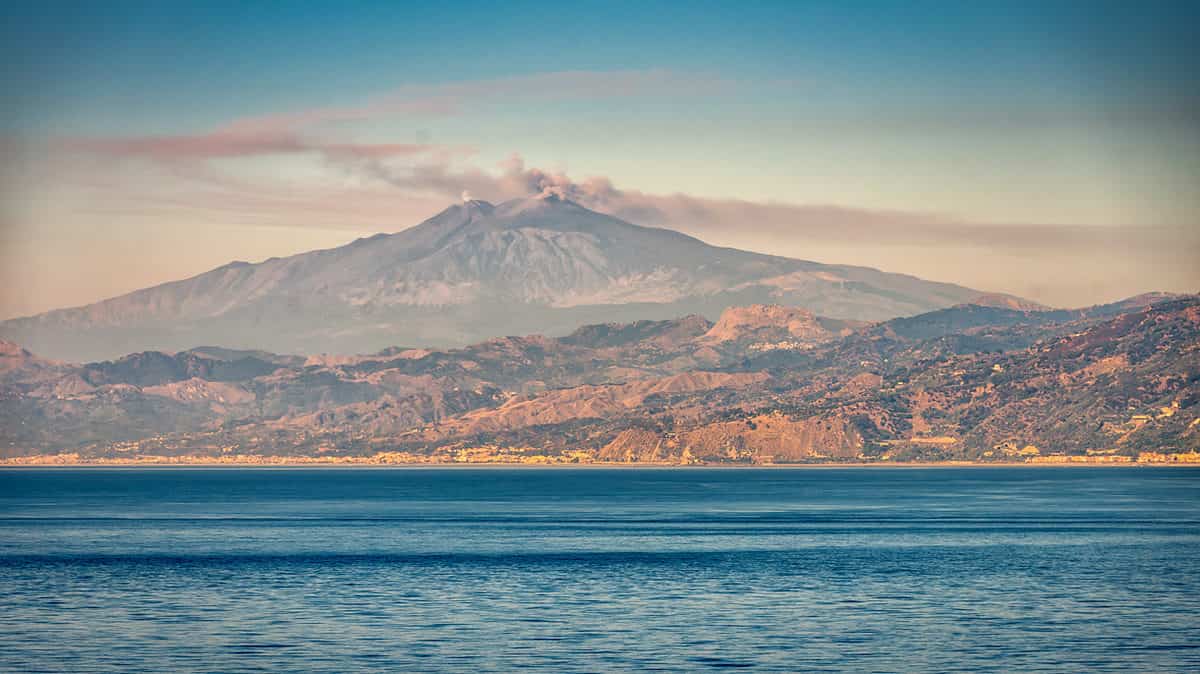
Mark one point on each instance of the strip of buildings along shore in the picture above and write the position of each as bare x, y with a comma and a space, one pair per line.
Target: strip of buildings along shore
483, 456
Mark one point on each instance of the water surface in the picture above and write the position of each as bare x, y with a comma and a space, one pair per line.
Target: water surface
563, 570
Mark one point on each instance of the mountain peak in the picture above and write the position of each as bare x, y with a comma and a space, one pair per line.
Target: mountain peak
765, 321
8, 348
478, 205
1005, 301
546, 202
475, 270
13, 357
469, 207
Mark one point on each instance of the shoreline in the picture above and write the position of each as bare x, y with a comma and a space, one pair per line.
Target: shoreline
322, 465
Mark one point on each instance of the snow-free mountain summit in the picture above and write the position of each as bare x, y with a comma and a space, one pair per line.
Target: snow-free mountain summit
474, 271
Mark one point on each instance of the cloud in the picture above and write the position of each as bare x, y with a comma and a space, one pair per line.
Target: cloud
226, 145
724, 219
345, 184
309, 130
1061, 265
450, 98
431, 174
368, 188
204, 146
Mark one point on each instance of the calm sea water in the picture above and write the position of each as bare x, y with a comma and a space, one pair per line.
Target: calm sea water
562, 570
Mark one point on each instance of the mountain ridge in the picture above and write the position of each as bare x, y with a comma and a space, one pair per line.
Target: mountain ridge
473, 271
779, 385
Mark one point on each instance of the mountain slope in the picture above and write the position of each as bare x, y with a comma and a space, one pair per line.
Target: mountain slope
474, 271
762, 384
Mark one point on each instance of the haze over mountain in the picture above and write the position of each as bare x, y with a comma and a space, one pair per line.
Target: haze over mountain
476, 270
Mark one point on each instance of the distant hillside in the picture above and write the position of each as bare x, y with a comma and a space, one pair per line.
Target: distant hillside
763, 383
472, 272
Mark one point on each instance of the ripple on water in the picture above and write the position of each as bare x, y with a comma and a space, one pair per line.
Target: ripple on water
628, 570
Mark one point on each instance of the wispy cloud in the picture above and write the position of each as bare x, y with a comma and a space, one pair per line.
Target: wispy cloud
227, 145
395, 185
730, 218
311, 130
450, 98
363, 186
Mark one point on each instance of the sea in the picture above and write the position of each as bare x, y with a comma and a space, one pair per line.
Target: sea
482, 569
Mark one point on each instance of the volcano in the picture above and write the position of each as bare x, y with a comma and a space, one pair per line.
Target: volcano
474, 271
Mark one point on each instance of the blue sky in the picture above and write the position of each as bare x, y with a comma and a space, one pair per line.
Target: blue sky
90, 65
984, 115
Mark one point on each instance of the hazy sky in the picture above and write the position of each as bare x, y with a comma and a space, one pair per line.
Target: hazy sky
1047, 149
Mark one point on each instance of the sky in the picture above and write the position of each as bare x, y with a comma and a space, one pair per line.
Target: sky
1046, 149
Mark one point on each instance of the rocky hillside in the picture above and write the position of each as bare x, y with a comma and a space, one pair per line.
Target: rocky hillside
473, 272
762, 384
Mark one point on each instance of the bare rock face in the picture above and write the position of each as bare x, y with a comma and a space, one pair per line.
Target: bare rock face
473, 272
770, 438
762, 438
767, 322
589, 402
637, 445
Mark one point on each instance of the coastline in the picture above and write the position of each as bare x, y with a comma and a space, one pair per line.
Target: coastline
322, 465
